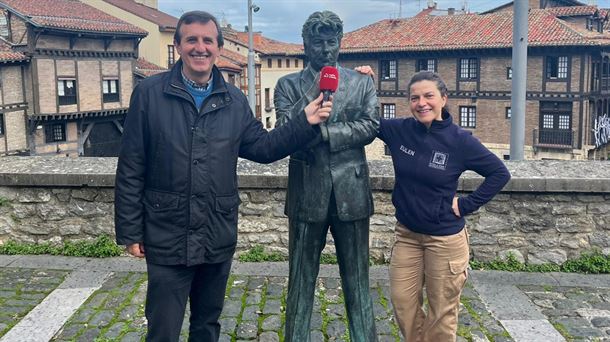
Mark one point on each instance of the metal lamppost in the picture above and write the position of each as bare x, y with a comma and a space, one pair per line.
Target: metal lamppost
251, 73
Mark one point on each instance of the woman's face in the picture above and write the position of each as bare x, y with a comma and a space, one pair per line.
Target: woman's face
426, 102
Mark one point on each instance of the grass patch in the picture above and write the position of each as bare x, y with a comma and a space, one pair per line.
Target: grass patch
593, 262
102, 247
563, 331
258, 254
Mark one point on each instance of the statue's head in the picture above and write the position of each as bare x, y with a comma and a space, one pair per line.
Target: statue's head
322, 33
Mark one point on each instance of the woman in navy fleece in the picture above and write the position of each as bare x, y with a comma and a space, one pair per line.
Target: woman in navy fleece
430, 153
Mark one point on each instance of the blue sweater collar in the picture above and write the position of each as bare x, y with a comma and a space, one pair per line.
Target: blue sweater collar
436, 124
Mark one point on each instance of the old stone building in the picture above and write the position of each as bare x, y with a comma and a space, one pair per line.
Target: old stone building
568, 76
75, 80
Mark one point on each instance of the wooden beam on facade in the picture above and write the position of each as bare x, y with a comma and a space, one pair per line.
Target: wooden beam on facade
118, 125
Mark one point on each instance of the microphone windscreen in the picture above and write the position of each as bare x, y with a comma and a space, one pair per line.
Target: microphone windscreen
329, 79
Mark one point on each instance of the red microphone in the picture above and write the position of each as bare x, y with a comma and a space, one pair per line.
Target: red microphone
329, 81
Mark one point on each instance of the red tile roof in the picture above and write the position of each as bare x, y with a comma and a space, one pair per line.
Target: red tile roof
224, 63
468, 31
573, 11
162, 19
510, 4
69, 15
7, 54
234, 57
263, 44
146, 68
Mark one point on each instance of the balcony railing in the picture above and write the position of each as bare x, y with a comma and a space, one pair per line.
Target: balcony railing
554, 138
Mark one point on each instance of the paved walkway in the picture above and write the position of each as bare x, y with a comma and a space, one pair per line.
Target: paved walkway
45, 298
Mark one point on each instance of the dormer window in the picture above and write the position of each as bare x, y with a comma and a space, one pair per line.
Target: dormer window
590, 23
595, 22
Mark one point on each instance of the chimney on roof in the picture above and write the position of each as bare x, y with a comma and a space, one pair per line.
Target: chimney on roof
451, 11
150, 3
257, 37
431, 4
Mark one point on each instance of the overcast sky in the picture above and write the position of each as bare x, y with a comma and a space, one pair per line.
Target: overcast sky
283, 19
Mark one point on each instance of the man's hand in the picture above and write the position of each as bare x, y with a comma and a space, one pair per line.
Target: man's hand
365, 69
136, 249
317, 111
455, 207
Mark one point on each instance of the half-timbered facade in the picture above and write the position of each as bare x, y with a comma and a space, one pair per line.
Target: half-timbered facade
13, 105
77, 76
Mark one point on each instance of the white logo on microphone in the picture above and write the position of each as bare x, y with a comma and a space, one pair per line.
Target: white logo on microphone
327, 75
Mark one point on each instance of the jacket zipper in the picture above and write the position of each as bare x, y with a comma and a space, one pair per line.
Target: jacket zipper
189, 192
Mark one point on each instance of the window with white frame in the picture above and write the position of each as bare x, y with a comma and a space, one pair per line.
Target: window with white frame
110, 90
388, 110
508, 112
426, 64
66, 91
509, 73
388, 69
55, 132
4, 31
468, 116
171, 59
469, 68
557, 67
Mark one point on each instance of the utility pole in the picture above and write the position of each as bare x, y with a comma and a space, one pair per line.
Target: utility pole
251, 72
519, 82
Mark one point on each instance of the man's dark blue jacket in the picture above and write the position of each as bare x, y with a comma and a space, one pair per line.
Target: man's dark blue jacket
176, 182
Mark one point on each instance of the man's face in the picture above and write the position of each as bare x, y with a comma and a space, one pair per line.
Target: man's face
198, 49
322, 49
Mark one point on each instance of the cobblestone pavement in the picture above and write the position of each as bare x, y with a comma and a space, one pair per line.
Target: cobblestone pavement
543, 307
580, 313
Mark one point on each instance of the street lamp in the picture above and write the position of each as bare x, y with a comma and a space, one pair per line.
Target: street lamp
251, 74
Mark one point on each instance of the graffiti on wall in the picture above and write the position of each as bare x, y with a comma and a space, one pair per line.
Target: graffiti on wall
601, 130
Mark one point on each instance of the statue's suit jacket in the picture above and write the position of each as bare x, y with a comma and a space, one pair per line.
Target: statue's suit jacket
335, 161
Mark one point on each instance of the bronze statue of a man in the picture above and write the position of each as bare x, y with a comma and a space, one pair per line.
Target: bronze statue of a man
328, 183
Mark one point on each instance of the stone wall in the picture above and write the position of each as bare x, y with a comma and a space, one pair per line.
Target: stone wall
549, 212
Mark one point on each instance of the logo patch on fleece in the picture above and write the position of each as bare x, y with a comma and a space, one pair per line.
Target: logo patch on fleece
439, 160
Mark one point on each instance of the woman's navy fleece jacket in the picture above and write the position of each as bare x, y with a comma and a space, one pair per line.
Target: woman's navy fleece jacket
427, 165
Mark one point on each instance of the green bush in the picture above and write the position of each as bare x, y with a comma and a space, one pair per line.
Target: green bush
591, 262
103, 246
258, 254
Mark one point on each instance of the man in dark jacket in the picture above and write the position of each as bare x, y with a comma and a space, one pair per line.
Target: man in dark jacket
176, 185
328, 183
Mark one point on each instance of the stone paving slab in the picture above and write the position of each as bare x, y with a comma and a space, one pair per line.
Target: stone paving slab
496, 306
49, 316
22, 290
